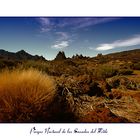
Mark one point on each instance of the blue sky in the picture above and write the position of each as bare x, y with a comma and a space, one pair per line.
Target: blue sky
89, 36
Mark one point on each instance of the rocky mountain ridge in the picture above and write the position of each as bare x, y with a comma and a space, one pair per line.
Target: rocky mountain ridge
20, 55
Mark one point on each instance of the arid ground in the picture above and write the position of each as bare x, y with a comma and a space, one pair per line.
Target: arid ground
105, 88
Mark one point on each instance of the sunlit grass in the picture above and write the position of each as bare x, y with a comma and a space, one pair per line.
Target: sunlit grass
25, 95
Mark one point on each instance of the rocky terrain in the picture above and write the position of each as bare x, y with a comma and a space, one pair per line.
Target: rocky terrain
105, 88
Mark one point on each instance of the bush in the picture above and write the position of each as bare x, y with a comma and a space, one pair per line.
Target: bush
125, 72
104, 71
39, 65
10, 64
2, 65
25, 96
80, 85
136, 66
123, 82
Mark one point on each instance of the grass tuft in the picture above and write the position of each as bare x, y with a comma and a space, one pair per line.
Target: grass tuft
25, 95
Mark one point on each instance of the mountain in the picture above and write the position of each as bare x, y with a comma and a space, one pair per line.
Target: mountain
130, 55
20, 55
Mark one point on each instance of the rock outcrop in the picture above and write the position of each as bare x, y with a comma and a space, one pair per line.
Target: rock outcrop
60, 56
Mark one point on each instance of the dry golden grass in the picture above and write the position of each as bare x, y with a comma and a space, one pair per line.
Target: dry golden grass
135, 76
25, 95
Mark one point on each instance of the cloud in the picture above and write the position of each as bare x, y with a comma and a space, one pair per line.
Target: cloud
91, 48
44, 21
104, 47
62, 35
50, 23
93, 21
60, 45
46, 24
135, 40
62, 41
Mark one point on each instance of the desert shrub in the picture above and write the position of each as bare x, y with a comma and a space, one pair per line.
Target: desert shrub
123, 82
114, 82
25, 96
132, 85
39, 65
10, 64
115, 94
60, 68
136, 66
125, 72
2, 65
69, 62
80, 85
105, 86
101, 59
104, 71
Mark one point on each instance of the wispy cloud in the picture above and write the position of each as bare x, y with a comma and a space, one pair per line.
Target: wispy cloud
92, 21
91, 48
48, 24
62, 41
135, 40
62, 35
60, 45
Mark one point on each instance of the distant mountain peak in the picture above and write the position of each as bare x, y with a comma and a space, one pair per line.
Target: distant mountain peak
21, 51
20, 55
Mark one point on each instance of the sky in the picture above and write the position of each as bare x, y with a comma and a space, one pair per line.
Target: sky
88, 36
